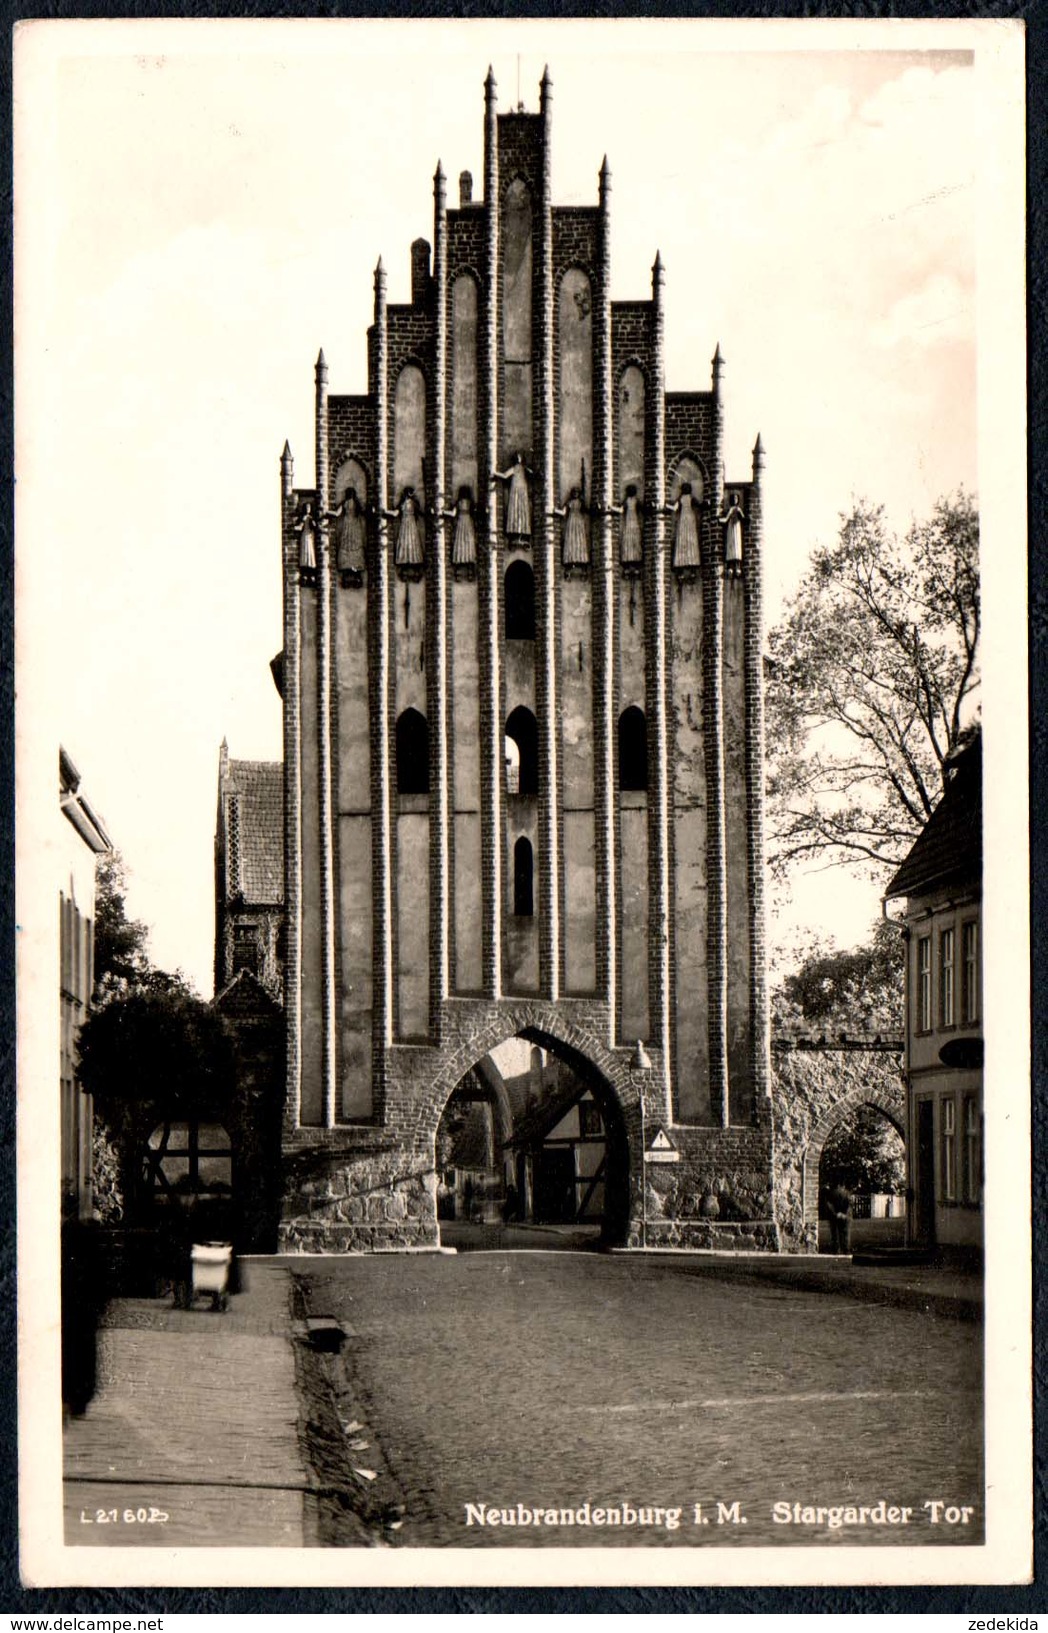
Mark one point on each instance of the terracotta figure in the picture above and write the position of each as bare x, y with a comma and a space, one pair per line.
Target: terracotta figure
518, 503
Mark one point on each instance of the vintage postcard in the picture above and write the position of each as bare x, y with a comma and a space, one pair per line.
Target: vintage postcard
521, 573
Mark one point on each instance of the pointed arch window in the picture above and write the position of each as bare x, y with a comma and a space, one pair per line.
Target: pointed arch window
520, 602
633, 750
523, 880
412, 753
523, 732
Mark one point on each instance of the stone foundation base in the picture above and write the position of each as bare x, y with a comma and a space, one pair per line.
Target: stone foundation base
734, 1236
357, 1190
318, 1236
335, 1236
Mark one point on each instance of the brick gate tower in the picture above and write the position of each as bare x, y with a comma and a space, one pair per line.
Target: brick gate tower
523, 732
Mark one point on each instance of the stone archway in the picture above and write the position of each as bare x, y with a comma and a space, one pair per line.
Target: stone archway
605, 1074
891, 1106
814, 1088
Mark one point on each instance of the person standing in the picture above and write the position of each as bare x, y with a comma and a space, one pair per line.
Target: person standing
840, 1212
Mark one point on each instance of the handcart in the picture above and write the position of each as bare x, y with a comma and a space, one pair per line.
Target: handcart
211, 1263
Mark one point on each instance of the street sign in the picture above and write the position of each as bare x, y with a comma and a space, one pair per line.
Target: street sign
662, 1148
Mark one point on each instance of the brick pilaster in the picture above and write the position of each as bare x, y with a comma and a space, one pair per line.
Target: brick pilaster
379, 617
491, 723
550, 952
605, 603
292, 797
437, 629
327, 870
659, 883
752, 582
713, 695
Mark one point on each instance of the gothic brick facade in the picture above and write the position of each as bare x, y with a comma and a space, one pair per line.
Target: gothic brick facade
521, 680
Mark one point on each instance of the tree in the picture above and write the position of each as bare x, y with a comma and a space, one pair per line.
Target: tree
864, 1153
870, 677
143, 1033
157, 1054
121, 957
856, 992
122, 962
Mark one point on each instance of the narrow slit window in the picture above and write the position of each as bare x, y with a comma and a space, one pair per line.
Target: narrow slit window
520, 602
633, 751
523, 880
412, 753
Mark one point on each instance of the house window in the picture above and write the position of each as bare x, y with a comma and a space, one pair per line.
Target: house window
590, 1125
947, 979
523, 880
970, 972
972, 1149
948, 1125
924, 983
188, 1158
247, 949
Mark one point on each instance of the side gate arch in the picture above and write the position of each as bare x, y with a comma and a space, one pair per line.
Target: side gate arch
815, 1087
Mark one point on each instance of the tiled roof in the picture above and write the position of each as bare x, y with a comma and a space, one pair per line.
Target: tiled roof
253, 819
949, 848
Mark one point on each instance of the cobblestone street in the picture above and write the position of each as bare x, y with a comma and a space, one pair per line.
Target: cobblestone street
553, 1380
548, 1380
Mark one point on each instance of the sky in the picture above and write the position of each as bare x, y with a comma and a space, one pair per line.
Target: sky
199, 208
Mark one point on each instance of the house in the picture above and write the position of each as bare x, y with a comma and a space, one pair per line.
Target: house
940, 884
249, 982
82, 840
249, 872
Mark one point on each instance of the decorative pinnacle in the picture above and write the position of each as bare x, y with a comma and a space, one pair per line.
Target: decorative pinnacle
286, 457
718, 359
758, 454
438, 174
604, 187
658, 275
321, 363
489, 84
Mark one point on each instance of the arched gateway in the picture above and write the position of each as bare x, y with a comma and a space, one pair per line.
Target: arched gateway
445, 892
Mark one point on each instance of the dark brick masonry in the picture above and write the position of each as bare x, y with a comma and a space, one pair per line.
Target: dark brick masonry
374, 1046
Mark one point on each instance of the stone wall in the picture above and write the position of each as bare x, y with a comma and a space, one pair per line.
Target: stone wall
368, 1188
812, 1090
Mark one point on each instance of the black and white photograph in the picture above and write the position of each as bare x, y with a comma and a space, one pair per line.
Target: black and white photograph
523, 977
